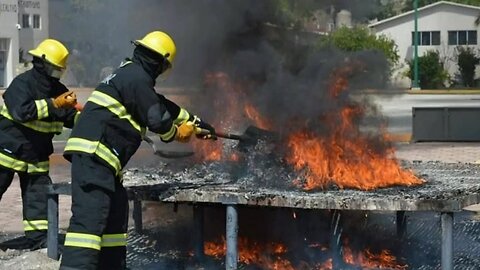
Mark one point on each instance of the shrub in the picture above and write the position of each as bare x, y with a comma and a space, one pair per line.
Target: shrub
467, 61
431, 72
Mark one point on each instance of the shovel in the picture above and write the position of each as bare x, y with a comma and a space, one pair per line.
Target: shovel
164, 153
250, 137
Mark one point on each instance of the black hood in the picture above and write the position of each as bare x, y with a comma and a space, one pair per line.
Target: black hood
45, 82
153, 63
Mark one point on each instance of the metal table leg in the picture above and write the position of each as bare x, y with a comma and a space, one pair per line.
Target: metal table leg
52, 235
137, 215
335, 240
198, 231
401, 224
231, 259
447, 240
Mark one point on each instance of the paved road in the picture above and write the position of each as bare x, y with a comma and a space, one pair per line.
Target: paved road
398, 108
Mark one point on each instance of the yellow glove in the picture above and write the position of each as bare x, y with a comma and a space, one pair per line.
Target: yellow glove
184, 132
65, 100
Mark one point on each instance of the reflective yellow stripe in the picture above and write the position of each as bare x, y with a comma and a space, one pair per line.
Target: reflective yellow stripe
35, 225
114, 240
113, 106
75, 118
94, 147
40, 167
182, 117
42, 108
41, 126
83, 240
169, 135
14, 164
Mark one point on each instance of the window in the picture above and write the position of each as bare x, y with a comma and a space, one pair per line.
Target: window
427, 38
436, 38
36, 21
462, 37
25, 21
4, 44
472, 37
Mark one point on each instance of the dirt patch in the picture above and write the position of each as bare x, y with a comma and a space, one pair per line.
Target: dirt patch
27, 260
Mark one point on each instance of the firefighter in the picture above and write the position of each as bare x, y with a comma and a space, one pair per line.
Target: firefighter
37, 106
106, 135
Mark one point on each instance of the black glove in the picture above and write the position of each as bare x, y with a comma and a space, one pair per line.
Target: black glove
203, 129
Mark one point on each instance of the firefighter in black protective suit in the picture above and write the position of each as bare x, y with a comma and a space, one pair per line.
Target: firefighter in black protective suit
107, 133
37, 106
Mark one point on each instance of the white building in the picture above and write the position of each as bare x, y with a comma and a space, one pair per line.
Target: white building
23, 24
442, 26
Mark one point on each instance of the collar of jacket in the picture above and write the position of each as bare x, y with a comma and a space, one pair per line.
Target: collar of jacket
42, 81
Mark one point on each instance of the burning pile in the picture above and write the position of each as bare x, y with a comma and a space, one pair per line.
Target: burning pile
326, 149
345, 156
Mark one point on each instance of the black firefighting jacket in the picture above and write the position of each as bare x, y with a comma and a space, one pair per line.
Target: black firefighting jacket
118, 112
28, 121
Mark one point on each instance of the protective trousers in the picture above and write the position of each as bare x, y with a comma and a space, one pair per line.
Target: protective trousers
96, 237
34, 201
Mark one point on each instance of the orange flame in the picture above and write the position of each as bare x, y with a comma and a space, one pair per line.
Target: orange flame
367, 259
346, 156
270, 256
257, 119
265, 256
232, 108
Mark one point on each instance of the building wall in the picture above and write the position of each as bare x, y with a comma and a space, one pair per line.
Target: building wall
30, 37
441, 18
19, 39
9, 32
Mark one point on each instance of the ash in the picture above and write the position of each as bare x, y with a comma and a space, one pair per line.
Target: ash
258, 166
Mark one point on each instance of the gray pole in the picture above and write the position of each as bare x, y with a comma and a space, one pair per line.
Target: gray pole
415, 84
137, 215
231, 259
198, 231
52, 234
447, 240
401, 224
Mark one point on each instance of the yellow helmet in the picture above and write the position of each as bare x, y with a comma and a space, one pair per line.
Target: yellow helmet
52, 51
161, 43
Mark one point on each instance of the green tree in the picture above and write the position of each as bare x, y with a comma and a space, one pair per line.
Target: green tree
467, 60
359, 38
432, 73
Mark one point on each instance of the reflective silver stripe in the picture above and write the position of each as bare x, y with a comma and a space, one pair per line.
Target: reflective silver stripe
12, 163
94, 147
169, 135
83, 240
35, 225
42, 108
114, 240
41, 126
114, 106
182, 117
40, 167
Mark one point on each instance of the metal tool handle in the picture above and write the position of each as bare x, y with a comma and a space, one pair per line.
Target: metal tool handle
205, 132
228, 136
150, 142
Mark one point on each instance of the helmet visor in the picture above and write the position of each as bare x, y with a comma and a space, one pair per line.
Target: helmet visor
54, 71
